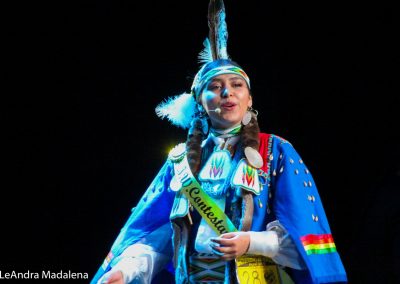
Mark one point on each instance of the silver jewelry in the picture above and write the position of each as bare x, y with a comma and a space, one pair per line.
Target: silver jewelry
254, 111
246, 118
251, 112
253, 157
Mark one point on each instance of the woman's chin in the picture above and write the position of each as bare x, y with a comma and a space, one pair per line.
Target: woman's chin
226, 123
232, 119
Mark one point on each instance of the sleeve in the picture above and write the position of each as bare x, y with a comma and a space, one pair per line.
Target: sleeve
298, 207
135, 269
277, 244
149, 216
140, 262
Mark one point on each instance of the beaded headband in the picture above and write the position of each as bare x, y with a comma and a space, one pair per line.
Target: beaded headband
201, 80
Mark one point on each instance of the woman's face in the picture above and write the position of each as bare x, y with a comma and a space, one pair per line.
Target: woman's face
230, 93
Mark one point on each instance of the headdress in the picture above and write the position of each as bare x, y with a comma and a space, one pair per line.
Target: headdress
182, 109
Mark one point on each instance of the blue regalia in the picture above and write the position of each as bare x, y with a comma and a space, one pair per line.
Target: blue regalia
288, 194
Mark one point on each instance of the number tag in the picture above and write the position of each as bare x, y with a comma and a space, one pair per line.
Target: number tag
259, 270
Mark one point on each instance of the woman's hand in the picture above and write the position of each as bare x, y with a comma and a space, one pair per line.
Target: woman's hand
231, 245
114, 277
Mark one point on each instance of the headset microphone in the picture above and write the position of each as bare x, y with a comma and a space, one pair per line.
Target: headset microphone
217, 110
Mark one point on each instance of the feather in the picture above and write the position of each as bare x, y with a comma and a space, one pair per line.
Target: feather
218, 32
180, 110
205, 55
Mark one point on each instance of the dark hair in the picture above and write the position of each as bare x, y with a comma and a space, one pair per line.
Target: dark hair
248, 137
193, 145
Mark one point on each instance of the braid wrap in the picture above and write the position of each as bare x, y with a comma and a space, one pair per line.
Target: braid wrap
193, 145
249, 134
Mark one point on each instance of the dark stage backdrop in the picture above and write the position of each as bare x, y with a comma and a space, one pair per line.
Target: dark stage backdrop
82, 141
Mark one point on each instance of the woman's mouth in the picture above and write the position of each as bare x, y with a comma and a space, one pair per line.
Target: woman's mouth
228, 106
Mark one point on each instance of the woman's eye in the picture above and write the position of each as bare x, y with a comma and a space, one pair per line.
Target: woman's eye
215, 87
238, 85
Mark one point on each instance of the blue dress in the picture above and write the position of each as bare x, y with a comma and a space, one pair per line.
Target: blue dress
289, 196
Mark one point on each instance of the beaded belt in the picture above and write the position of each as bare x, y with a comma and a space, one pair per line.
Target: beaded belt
206, 269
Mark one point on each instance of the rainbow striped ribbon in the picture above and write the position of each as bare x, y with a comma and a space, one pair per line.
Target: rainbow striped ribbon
318, 244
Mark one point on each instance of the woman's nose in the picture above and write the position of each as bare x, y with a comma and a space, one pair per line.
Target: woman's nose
225, 93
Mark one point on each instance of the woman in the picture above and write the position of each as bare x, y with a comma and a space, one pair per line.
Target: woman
229, 205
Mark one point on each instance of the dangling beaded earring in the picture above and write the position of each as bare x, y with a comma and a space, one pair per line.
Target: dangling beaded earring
248, 115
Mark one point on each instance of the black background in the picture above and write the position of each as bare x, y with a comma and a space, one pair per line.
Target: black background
82, 141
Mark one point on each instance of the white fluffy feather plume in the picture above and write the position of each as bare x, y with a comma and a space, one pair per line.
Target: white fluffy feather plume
179, 110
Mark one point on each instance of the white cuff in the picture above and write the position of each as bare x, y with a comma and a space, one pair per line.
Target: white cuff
139, 263
132, 268
264, 243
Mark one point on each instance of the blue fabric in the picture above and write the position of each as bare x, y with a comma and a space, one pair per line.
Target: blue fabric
290, 190
151, 212
289, 203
